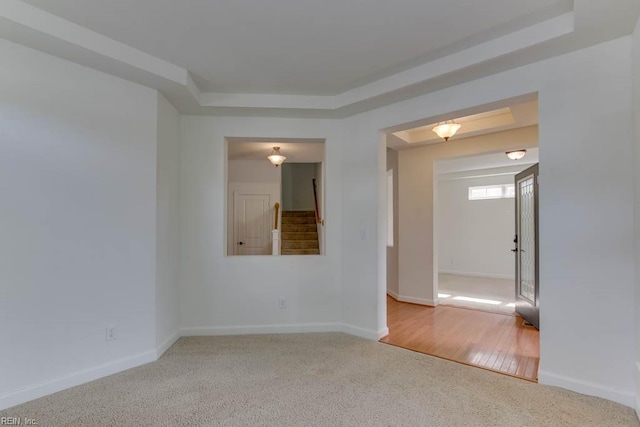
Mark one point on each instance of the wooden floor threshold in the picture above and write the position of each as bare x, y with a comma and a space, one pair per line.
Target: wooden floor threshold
496, 342
463, 362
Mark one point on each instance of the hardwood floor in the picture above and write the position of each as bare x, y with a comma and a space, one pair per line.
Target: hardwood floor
493, 341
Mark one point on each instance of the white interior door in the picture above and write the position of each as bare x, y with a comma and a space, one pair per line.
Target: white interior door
252, 223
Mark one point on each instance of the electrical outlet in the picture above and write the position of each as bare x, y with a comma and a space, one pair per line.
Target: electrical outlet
282, 303
111, 333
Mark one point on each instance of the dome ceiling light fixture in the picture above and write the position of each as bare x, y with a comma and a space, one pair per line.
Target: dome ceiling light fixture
275, 157
447, 129
516, 154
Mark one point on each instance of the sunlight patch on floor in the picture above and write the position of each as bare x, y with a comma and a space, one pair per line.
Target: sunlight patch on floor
495, 295
478, 300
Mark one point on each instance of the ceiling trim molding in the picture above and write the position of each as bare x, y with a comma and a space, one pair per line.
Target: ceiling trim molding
484, 173
41, 30
54, 26
513, 42
522, 39
248, 100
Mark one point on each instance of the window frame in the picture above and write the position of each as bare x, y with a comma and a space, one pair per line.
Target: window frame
507, 191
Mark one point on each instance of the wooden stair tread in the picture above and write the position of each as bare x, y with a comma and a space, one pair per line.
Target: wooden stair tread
300, 252
298, 220
299, 228
300, 244
299, 233
291, 235
289, 214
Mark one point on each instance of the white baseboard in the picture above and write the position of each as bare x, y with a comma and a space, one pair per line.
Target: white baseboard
261, 329
285, 329
364, 333
166, 345
589, 388
420, 301
77, 378
383, 332
482, 275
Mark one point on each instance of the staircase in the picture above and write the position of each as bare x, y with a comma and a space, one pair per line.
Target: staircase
299, 233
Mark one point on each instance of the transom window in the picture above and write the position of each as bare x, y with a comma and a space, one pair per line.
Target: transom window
485, 192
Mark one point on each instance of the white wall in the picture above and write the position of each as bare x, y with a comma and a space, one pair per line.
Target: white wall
636, 144
167, 225
78, 223
246, 171
392, 251
364, 237
297, 189
475, 237
225, 294
287, 186
586, 248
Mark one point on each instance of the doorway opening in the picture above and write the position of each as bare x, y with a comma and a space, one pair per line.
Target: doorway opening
451, 272
475, 228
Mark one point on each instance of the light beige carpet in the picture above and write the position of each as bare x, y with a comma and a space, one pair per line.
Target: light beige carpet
314, 380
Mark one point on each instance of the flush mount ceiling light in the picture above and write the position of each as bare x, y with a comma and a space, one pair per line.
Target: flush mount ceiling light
516, 154
275, 157
447, 129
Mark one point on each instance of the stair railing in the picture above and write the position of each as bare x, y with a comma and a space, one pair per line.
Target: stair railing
315, 199
275, 233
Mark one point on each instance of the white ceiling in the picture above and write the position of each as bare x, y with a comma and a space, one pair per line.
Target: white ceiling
301, 58
296, 46
485, 161
511, 117
295, 150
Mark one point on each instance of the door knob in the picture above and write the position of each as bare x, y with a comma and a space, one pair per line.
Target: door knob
241, 243
514, 250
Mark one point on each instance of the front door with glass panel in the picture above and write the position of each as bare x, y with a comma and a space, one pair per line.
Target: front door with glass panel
526, 250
